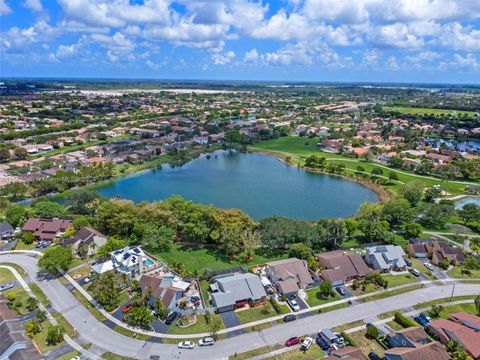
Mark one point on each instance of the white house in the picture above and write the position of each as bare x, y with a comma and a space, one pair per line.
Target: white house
386, 257
130, 261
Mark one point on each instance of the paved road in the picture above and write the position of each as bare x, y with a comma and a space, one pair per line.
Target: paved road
103, 337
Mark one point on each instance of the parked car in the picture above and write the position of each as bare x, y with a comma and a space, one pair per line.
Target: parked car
293, 304
194, 298
324, 345
171, 318
373, 356
408, 262
425, 316
186, 345
6, 286
289, 317
429, 266
293, 341
414, 272
306, 343
341, 291
206, 341
127, 307
421, 320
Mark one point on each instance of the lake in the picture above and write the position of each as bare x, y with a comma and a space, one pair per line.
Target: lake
258, 184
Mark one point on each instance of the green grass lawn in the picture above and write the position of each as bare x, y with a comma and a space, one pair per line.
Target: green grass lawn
201, 259
126, 332
22, 246
21, 296
112, 356
204, 290
393, 280
200, 326
80, 272
299, 149
456, 272
364, 344
447, 310
420, 111
315, 297
70, 355
296, 354
6, 276
259, 313
393, 292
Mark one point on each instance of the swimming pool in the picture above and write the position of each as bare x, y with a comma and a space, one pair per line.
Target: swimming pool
149, 262
467, 200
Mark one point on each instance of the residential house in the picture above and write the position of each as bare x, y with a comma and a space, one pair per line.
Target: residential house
47, 229
386, 257
430, 351
129, 260
14, 344
462, 327
86, 241
6, 231
409, 337
233, 291
346, 353
341, 266
168, 290
437, 251
289, 275
333, 146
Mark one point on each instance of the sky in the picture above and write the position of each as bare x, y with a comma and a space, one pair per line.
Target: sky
434, 41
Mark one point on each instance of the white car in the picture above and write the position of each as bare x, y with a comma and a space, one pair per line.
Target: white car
75, 358
293, 304
186, 345
307, 343
206, 341
429, 266
6, 286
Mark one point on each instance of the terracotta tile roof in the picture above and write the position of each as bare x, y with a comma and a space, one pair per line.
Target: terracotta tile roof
467, 336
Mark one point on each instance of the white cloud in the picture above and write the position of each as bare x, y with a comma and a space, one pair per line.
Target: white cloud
392, 63
396, 35
458, 37
223, 58
251, 57
4, 8
35, 5
468, 63
152, 65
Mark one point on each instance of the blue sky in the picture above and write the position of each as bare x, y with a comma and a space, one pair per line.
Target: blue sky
295, 40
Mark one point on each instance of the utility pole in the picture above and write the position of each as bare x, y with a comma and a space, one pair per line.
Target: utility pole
453, 290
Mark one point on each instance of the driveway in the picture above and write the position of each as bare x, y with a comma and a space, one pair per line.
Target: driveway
230, 319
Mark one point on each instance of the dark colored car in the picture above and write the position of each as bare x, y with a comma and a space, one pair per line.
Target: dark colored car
374, 356
324, 345
425, 317
171, 318
421, 320
341, 291
290, 317
408, 262
293, 341
195, 299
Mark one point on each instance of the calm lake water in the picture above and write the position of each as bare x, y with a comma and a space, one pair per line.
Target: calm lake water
258, 184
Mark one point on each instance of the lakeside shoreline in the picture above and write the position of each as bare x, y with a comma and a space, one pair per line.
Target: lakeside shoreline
382, 194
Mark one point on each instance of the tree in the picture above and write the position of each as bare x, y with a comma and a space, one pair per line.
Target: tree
477, 304
105, 291
158, 238
215, 325
112, 244
49, 210
20, 153
56, 260
469, 213
397, 211
432, 193
326, 288
16, 215
28, 237
436, 310
300, 251
4, 154
55, 335
31, 304
413, 230
41, 316
139, 316
392, 175
395, 162
17, 190
412, 191
32, 328
82, 202
160, 310
436, 215
250, 241
335, 232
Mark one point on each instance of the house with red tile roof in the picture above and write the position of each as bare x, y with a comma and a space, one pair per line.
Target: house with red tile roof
47, 229
462, 327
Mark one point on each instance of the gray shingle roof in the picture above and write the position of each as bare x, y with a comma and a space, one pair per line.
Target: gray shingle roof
238, 287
